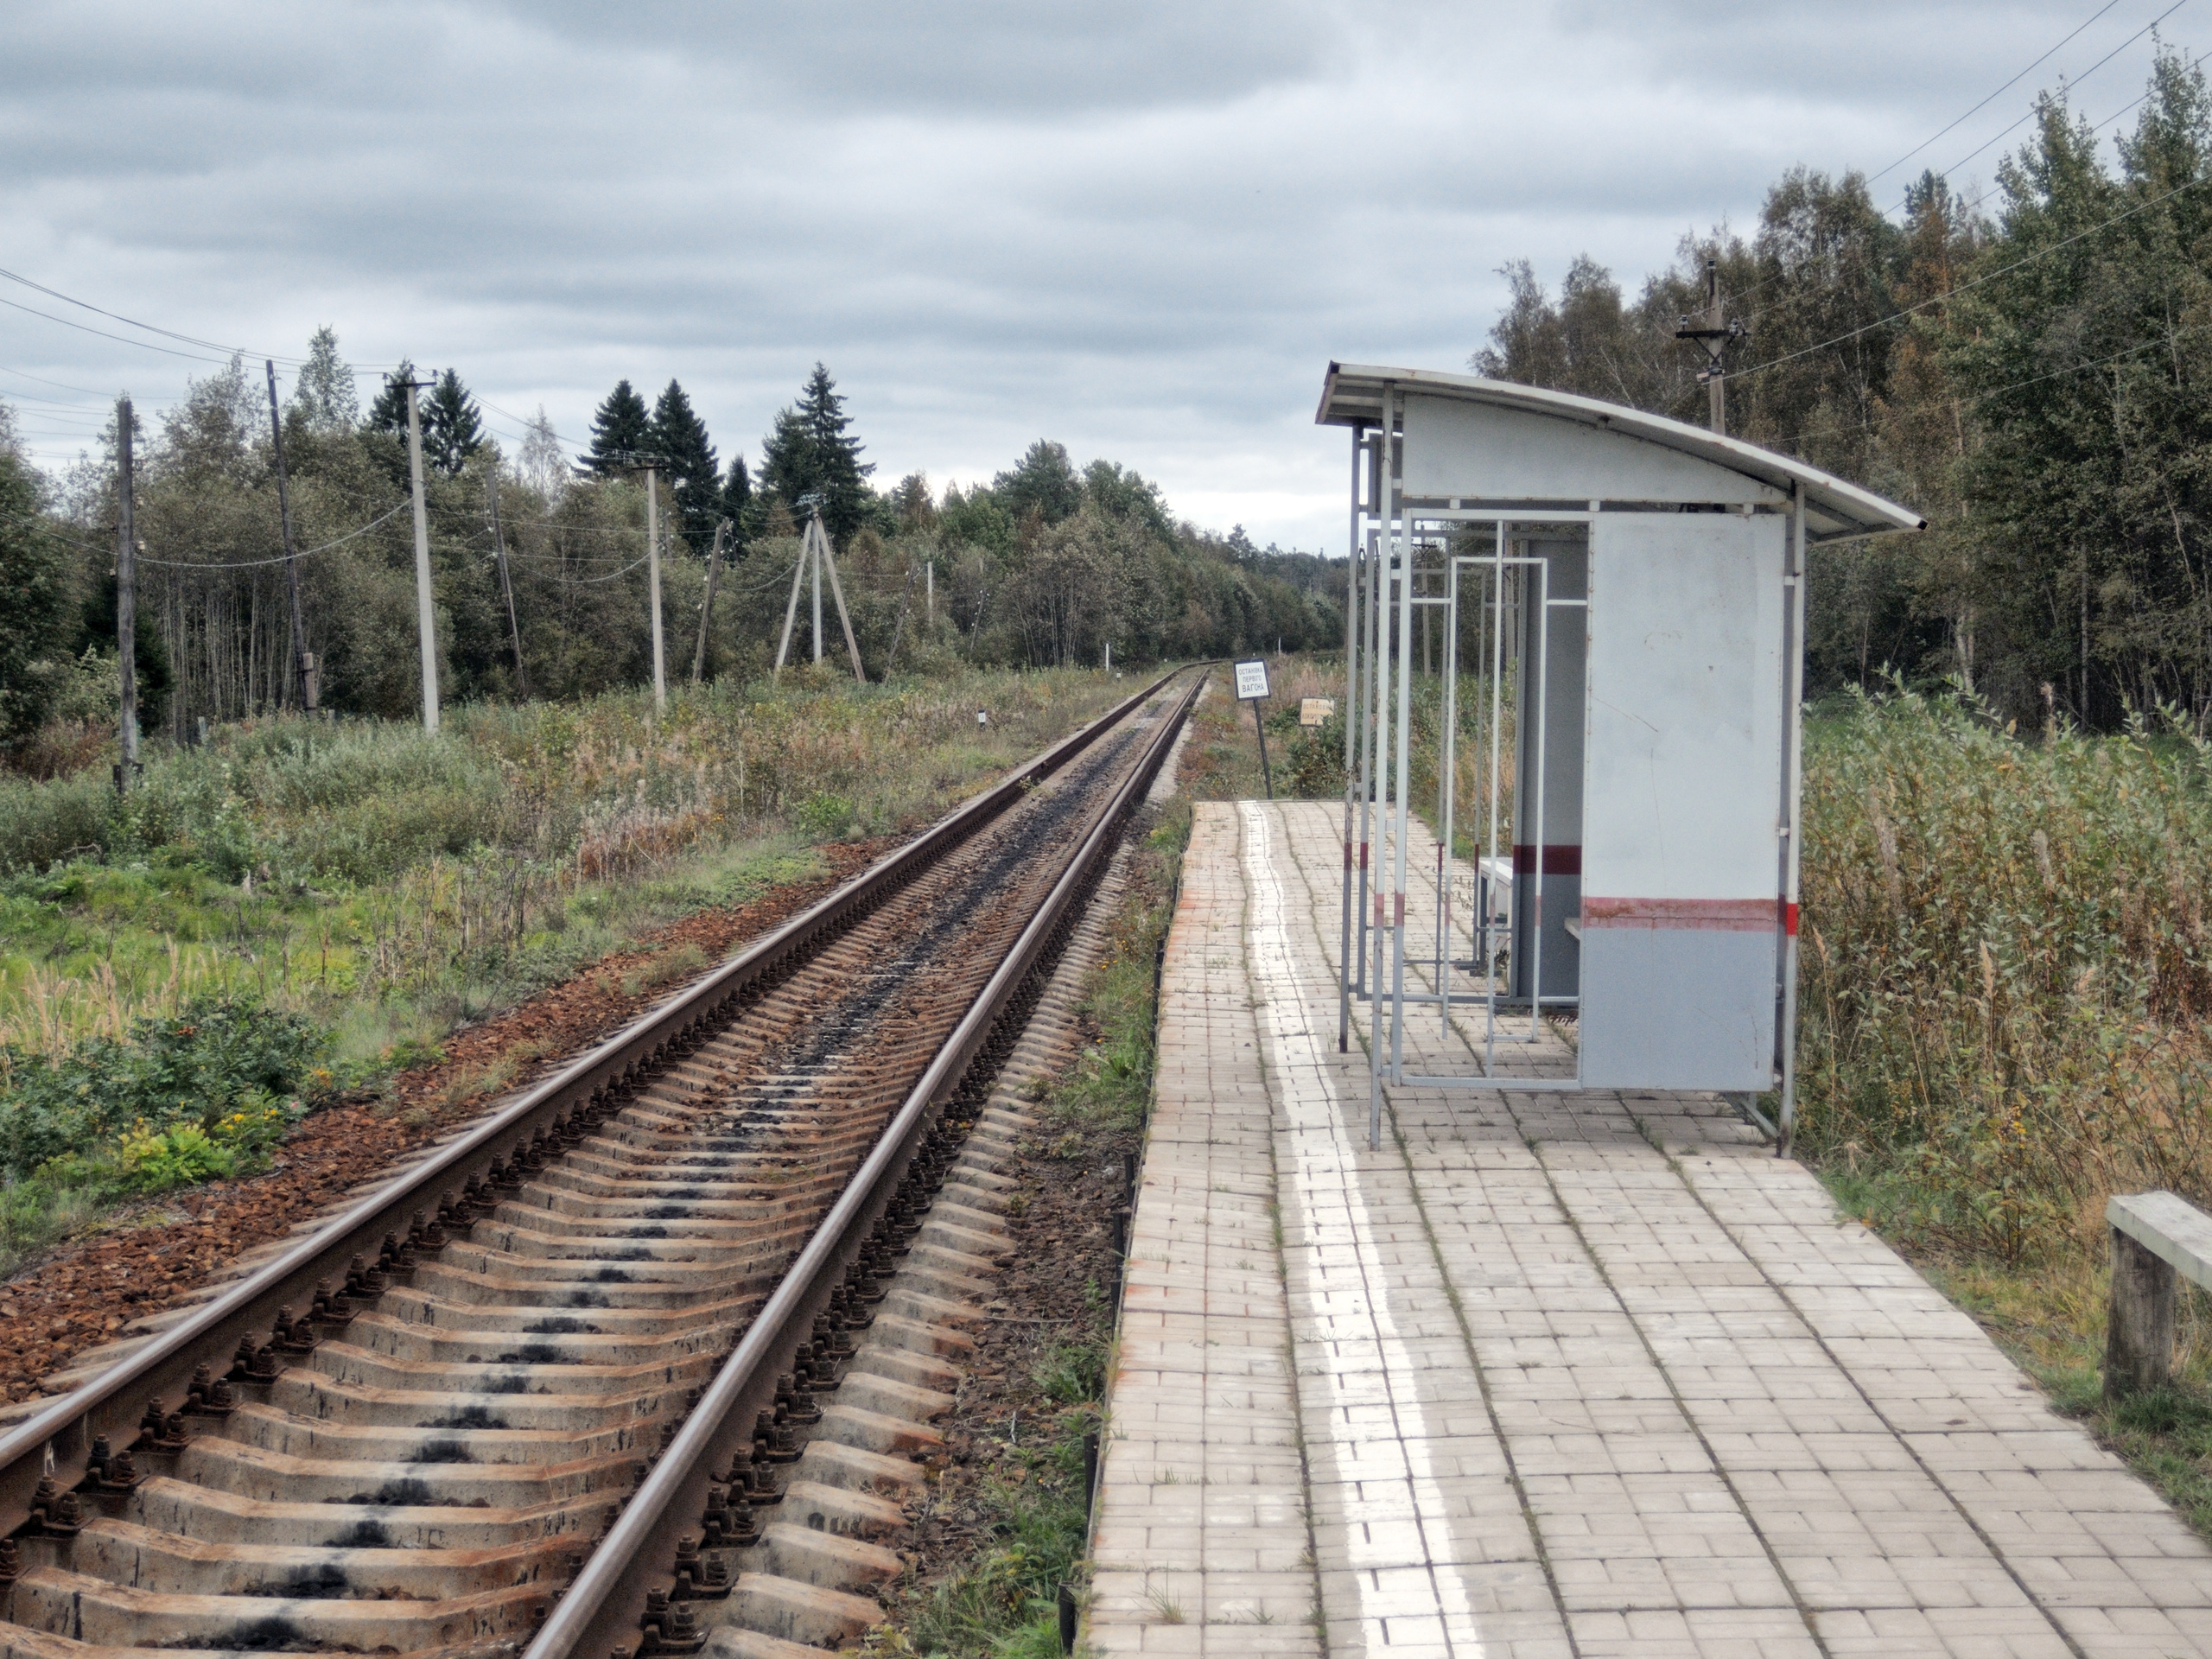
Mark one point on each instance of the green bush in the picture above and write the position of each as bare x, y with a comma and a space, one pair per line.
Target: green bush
217, 1068
41, 823
824, 817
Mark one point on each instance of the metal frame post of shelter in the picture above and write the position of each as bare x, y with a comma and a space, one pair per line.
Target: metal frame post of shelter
1628, 591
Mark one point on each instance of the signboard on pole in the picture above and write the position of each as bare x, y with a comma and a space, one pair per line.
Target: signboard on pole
1251, 680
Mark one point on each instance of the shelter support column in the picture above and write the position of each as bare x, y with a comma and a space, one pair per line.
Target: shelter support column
1350, 722
1793, 790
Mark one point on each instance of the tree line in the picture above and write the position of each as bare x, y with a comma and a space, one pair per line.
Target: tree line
2030, 368
1047, 565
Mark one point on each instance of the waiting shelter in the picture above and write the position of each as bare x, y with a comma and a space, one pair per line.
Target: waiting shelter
1627, 594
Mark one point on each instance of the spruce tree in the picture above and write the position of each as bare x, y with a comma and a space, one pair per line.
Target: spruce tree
453, 430
389, 412
809, 451
622, 429
737, 496
679, 437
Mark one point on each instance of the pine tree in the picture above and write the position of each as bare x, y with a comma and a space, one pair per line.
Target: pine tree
809, 452
453, 430
620, 430
679, 437
324, 399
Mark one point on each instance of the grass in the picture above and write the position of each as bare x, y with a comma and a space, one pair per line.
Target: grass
383, 888
1221, 760
2007, 967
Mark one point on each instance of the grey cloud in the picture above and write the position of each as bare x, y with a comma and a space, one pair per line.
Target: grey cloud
973, 58
1141, 229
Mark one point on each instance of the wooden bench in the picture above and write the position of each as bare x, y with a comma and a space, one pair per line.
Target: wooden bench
2157, 1239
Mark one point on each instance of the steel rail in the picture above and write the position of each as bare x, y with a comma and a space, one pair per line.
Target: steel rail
58, 1441
600, 1612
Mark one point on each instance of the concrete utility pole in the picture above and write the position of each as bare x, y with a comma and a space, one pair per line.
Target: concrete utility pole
929, 590
426, 618
302, 658
506, 588
126, 599
652, 584
813, 554
1715, 335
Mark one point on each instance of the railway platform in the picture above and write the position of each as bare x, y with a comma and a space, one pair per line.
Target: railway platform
1575, 1374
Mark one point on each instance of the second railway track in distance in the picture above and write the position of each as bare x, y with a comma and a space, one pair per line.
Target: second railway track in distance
549, 1389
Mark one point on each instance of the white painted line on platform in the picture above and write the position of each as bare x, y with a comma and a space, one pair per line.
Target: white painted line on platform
1404, 1599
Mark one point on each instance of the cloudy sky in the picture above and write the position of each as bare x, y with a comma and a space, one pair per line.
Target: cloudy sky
1140, 228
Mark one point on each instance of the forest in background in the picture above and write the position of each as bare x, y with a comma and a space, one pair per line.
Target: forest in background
1045, 566
2029, 368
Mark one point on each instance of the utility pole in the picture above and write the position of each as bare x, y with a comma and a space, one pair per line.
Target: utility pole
126, 599
426, 618
813, 554
1716, 336
825, 556
929, 579
652, 582
506, 588
302, 658
707, 611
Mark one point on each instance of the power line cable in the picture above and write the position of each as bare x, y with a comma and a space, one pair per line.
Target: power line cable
2006, 132
1986, 276
25, 374
151, 328
124, 339
1986, 102
1974, 202
305, 552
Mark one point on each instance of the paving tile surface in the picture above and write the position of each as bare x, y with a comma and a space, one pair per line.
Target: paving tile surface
1550, 1374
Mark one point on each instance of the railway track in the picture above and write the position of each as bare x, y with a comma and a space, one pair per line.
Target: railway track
636, 1364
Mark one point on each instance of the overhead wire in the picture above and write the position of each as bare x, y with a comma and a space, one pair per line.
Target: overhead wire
151, 328
2006, 132
305, 552
1768, 281
1992, 97
1962, 288
124, 339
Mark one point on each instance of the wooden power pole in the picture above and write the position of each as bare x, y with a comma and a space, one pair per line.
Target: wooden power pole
302, 658
126, 599
1716, 334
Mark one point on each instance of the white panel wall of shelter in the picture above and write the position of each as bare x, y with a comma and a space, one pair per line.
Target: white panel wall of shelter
1682, 908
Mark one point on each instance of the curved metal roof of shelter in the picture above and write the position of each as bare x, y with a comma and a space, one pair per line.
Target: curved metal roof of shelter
1495, 440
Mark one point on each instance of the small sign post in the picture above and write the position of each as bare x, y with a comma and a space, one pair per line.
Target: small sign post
1252, 688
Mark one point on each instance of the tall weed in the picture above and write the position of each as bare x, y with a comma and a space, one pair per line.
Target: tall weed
2005, 968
